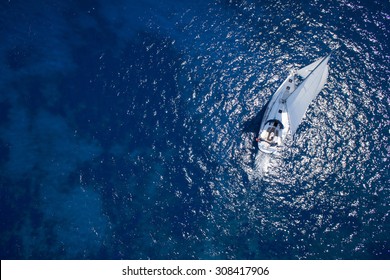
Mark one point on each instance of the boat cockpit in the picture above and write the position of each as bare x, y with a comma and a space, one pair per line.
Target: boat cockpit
272, 132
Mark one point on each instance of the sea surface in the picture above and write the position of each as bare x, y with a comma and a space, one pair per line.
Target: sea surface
127, 130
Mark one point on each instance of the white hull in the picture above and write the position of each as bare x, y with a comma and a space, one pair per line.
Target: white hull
289, 104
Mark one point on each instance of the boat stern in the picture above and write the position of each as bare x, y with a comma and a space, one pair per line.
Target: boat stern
267, 148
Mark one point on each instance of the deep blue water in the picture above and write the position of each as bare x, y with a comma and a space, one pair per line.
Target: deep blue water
127, 127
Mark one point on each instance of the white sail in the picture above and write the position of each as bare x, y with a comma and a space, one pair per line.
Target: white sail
298, 102
305, 71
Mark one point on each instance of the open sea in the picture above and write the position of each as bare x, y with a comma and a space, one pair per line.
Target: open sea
127, 130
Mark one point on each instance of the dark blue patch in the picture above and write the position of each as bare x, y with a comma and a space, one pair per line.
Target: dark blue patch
123, 133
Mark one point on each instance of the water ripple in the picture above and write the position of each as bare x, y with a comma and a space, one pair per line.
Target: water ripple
314, 189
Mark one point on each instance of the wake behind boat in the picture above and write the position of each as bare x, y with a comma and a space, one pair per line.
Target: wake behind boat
289, 103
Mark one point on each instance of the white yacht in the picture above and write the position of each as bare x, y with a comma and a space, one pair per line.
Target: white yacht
289, 103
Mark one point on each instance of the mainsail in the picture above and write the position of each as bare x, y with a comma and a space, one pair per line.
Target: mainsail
297, 103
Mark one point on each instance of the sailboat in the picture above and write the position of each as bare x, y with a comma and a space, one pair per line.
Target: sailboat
289, 103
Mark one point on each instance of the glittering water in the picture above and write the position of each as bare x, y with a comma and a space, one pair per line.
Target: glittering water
127, 131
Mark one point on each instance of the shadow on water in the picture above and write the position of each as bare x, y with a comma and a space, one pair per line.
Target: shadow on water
252, 125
